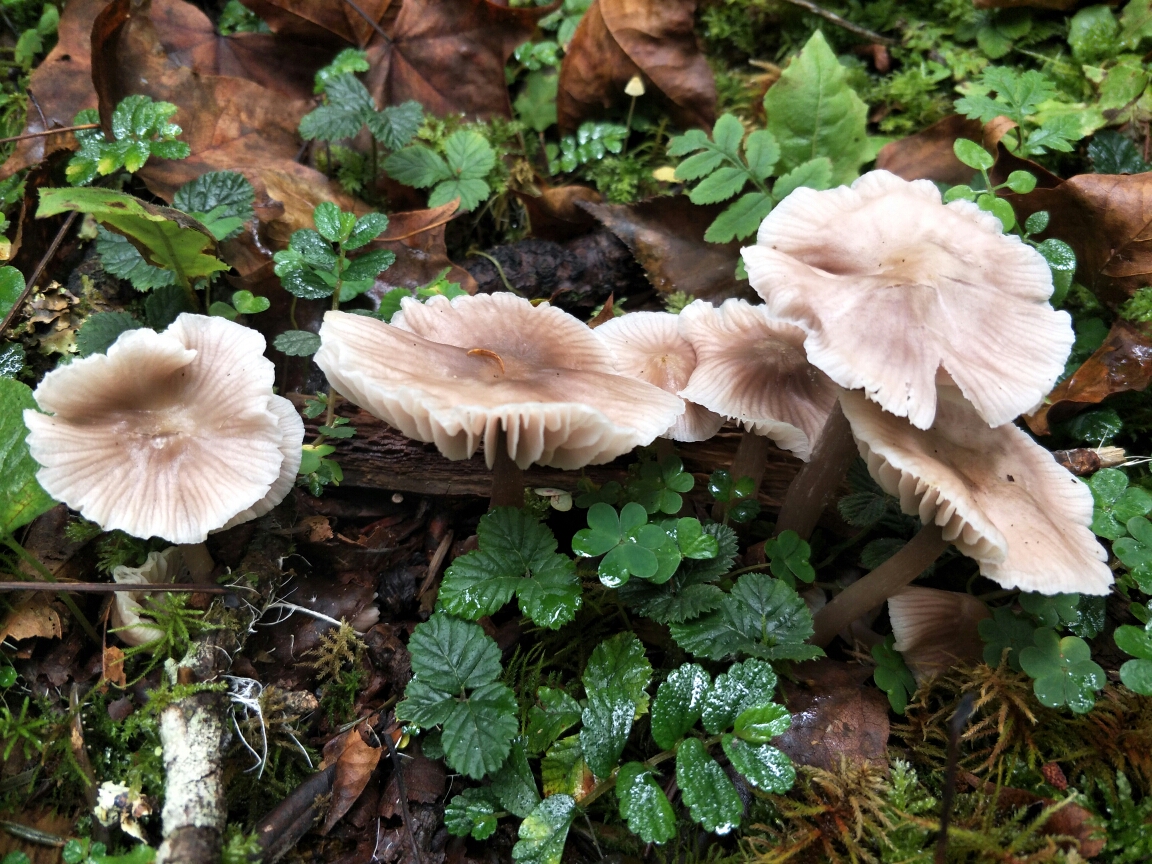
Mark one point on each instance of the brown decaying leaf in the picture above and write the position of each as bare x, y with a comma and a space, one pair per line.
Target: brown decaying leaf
230, 123
1058, 5
834, 717
928, 155
667, 237
1122, 363
553, 213
354, 767
417, 239
619, 39
1085, 460
113, 666
35, 617
424, 781
1105, 218
327, 23
48, 821
605, 314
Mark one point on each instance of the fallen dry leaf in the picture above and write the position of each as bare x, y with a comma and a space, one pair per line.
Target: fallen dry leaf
354, 767
424, 781
334, 25
554, 214
928, 155
667, 237
833, 716
113, 662
417, 239
620, 39
1058, 5
1122, 363
35, 617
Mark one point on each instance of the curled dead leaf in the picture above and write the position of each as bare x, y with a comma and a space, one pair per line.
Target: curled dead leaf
618, 40
554, 214
36, 616
354, 766
1122, 363
113, 666
928, 155
417, 239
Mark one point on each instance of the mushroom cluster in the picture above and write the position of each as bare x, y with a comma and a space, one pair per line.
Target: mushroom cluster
938, 327
169, 435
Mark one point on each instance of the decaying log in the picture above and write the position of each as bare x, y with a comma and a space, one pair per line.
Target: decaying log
379, 457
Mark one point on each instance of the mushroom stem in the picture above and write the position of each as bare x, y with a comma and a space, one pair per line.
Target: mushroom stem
818, 480
507, 477
873, 589
199, 563
665, 447
750, 461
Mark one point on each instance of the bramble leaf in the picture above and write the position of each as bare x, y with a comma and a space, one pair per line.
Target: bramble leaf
473, 812
679, 703
21, 498
711, 798
644, 805
544, 832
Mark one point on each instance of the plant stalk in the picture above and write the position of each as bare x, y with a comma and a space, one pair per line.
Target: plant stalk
750, 461
507, 476
873, 589
811, 489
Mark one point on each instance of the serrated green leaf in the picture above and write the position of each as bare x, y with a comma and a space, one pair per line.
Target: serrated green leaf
685, 595
479, 730
762, 153
11, 287
644, 805
1005, 631
124, 261
619, 662
740, 219
536, 104
761, 723
12, 360
727, 134
718, 186
165, 304
451, 655
21, 498
543, 833
699, 165
396, 125
424, 705
369, 265
814, 112
472, 812
555, 713
563, 769
679, 703
764, 766
297, 343
226, 195
813, 174
711, 798
514, 784
746, 685
470, 192
367, 228
690, 141
469, 155
606, 724
100, 330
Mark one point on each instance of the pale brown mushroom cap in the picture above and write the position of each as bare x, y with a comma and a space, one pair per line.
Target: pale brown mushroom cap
454, 373
890, 284
291, 437
999, 497
754, 369
167, 435
935, 630
648, 346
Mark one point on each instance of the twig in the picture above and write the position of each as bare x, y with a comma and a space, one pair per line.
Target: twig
500, 270
955, 727
419, 231
863, 32
373, 24
398, 770
41, 134
110, 587
68, 602
31, 283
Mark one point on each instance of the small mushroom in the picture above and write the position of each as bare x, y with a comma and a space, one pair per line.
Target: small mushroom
994, 493
530, 383
935, 630
896, 291
158, 568
171, 434
648, 346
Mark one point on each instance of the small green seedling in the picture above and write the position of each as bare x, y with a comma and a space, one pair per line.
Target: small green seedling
892, 675
140, 130
1116, 502
739, 496
1064, 672
460, 173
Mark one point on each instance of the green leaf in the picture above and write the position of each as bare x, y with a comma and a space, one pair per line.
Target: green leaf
765, 767
1051, 610
718, 186
1136, 641
679, 703
814, 174
711, 798
689, 142
124, 261
812, 111
367, 228
761, 723
396, 125
555, 713
536, 104
1021, 182
451, 655
619, 662
472, 812
479, 730
740, 219
223, 310
563, 769
469, 155
615, 681
761, 617
166, 237
516, 554
100, 330
470, 192
634, 547
1116, 502
297, 343
1136, 675
543, 833
1037, 222
247, 303
644, 805
369, 265
727, 134
165, 304
692, 540
1113, 153
762, 153
892, 675
744, 686
21, 498
699, 165
685, 595
11, 287
1064, 671
514, 784
348, 60
789, 558
215, 197
1093, 34
12, 360
972, 154
1005, 631
331, 223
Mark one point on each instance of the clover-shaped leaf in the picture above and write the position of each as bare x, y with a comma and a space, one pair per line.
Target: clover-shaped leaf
1063, 670
1136, 674
630, 545
739, 495
1135, 551
1051, 610
789, 557
1005, 631
660, 484
1116, 502
892, 675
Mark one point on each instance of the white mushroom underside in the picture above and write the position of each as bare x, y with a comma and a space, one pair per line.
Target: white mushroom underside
935, 630
648, 346
168, 434
459, 398
890, 284
754, 369
999, 497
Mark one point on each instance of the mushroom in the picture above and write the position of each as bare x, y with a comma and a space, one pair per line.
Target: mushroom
532, 383
896, 290
752, 368
170, 435
936, 629
158, 568
994, 493
648, 346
